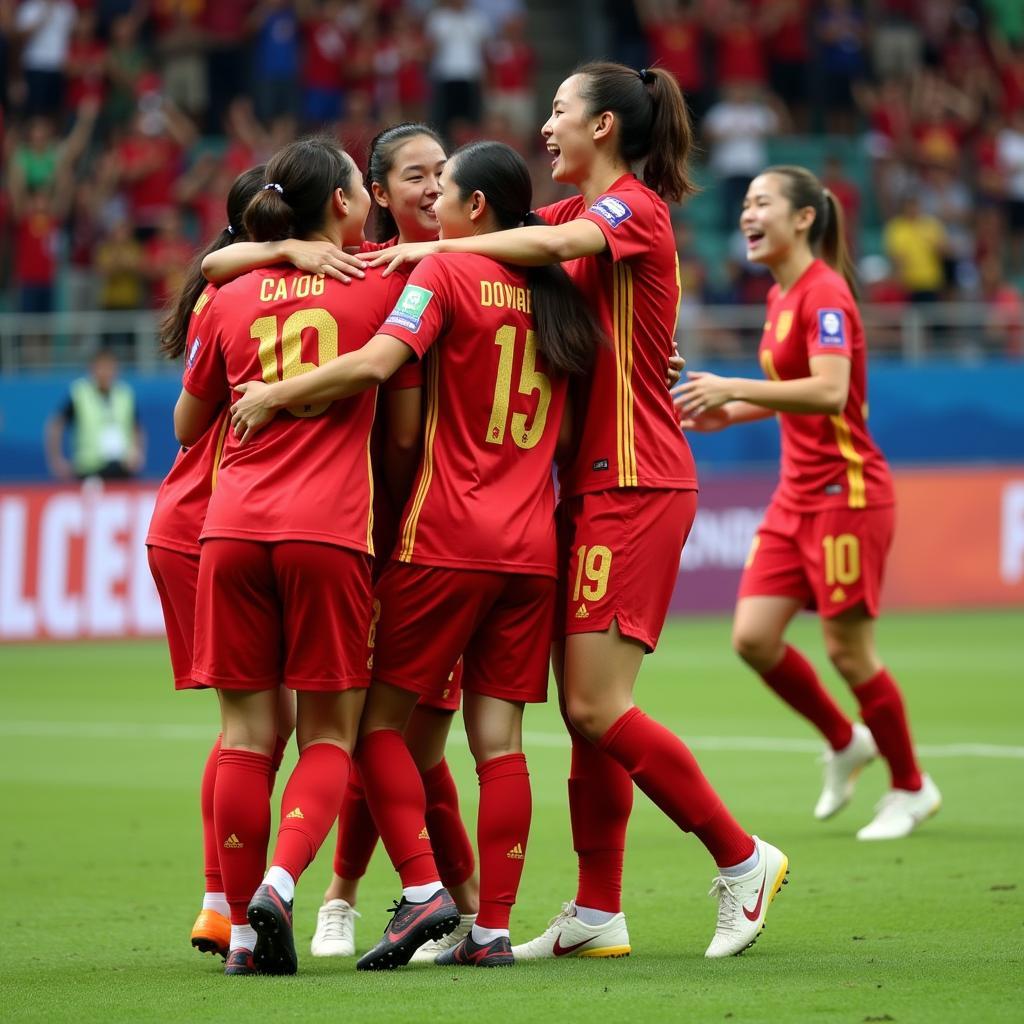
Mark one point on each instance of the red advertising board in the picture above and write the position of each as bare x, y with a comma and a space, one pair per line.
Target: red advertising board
73, 561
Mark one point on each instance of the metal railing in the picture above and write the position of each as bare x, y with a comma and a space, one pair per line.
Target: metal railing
966, 331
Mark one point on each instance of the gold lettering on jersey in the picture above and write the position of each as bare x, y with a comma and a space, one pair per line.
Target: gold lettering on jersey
784, 324
277, 289
500, 295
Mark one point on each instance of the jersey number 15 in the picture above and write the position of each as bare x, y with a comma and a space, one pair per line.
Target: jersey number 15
530, 380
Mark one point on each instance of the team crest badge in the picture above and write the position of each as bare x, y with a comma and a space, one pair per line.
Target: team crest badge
783, 324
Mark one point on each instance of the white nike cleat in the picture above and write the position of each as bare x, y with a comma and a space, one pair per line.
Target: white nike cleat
900, 811
842, 767
335, 933
435, 947
567, 935
743, 901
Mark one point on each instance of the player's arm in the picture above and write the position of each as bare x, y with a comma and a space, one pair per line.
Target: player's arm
341, 377
533, 246
192, 415
403, 411
322, 258
824, 391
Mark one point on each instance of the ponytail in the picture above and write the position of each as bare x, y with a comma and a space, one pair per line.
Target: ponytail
567, 331
173, 329
834, 248
827, 233
654, 125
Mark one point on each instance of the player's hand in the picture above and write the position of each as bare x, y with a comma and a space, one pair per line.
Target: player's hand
676, 365
253, 411
397, 255
324, 259
701, 393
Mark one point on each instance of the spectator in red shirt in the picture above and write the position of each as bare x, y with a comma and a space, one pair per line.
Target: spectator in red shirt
36, 239
86, 66
167, 255
510, 65
785, 27
324, 58
413, 87
740, 50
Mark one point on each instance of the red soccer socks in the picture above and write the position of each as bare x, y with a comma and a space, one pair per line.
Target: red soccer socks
600, 802
663, 767
503, 826
242, 821
884, 713
453, 850
309, 805
394, 792
211, 847
796, 682
357, 832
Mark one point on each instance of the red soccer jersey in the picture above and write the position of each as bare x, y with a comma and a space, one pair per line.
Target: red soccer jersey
629, 435
827, 461
483, 496
184, 495
306, 475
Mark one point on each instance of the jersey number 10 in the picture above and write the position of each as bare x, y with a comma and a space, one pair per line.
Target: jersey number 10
287, 347
530, 379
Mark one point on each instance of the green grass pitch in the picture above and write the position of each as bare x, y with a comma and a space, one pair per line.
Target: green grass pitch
100, 857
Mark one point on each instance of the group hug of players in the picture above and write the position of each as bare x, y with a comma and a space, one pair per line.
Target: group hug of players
363, 516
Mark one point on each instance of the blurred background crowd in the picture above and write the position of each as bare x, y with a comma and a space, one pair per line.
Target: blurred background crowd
123, 122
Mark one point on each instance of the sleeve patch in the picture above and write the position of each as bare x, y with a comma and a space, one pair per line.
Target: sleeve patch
612, 209
831, 328
409, 309
193, 351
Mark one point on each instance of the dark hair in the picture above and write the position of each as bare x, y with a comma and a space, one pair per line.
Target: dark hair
567, 331
827, 232
654, 125
300, 179
381, 162
173, 331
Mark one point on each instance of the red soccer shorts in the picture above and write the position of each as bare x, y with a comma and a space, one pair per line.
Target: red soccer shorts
291, 612
501, 623
621, 551
176, 576
832, 560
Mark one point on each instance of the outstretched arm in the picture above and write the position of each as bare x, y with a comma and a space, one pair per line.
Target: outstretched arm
322, 258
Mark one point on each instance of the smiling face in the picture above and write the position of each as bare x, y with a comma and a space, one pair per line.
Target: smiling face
769, 223
453, 212
412, 188
569, 134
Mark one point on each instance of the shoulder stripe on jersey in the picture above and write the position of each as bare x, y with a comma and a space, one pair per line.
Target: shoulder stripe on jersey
622, 319
854, 462
200, 304
218, 451
369, 477
427, 472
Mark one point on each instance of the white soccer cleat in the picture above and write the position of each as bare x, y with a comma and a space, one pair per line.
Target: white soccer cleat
842, 768
335, 933
900, 811
743, 901
435, 947
567, 935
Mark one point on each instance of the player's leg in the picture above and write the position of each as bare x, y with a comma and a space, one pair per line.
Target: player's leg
426, 736
912, 797
845, 552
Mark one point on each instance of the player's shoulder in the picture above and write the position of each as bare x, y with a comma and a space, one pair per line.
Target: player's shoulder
822, 285
563, 210
626, 199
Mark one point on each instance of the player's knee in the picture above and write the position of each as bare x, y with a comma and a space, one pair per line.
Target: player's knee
849, 661
588, 718
757, 648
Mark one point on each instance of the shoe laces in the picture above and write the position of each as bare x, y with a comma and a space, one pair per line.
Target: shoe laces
728, 904
568, 911
338, 922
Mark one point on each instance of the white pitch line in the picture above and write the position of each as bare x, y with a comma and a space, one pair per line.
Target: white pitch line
751, 744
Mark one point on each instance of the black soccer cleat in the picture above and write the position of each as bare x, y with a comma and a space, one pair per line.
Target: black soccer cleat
271, 917
411, 926
240, 961
469, 953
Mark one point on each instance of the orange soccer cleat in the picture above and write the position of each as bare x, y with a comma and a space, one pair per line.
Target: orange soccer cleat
212, 933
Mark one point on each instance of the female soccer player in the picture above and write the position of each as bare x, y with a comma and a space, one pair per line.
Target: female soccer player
173, 540
284, 590
405, 162
476, 564
628, 497
825, 536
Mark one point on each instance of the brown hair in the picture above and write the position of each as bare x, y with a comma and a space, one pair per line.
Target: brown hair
173, 331
300, 179
567, 331
828, 230
654, 125
381, 162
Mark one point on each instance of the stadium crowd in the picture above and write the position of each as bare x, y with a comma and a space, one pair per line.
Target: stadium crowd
124, 121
